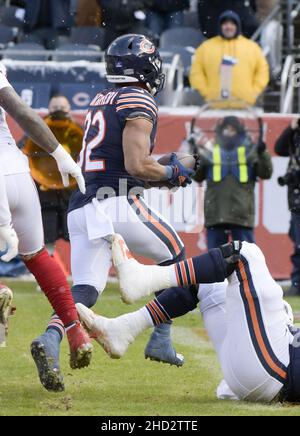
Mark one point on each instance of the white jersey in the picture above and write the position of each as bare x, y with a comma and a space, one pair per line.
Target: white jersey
12, 160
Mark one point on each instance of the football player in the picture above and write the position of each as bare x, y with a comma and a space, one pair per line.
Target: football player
248, 322
24, 215
120, 130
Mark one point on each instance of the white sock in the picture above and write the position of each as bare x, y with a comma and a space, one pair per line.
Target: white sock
163, 277
139, 321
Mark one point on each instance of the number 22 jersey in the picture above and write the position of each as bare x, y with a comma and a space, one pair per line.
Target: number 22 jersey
102, 157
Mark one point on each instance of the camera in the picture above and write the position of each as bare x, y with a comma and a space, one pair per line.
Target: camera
292, 177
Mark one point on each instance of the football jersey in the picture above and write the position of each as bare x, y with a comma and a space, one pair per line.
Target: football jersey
102, 157
12, 160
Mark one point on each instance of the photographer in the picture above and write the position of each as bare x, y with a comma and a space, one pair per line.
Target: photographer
288, 145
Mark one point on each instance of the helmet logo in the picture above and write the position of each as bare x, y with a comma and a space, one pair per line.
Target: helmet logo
147, 46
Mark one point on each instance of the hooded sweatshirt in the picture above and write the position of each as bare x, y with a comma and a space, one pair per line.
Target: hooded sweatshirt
250, 74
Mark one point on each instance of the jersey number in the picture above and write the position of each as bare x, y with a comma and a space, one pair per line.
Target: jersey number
93, 120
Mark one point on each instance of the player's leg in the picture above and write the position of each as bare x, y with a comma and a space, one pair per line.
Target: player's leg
212, 299
27, 221
138, 281
255, 352
148, 234
115, 335
90, 264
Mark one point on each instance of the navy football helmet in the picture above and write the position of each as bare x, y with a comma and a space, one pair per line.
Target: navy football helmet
134, 58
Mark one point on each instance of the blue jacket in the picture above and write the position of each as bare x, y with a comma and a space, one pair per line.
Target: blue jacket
59, 10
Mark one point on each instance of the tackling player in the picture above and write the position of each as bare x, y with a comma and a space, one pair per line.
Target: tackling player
23, 212
120, 131
247, 319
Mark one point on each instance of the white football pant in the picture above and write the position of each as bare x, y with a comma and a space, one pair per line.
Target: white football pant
146, 233
248, 326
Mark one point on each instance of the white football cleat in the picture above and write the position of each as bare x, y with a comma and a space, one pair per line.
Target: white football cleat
114, 335
6, 297
136, 280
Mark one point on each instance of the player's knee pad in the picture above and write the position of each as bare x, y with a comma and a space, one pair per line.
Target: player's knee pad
85, 294
181, 300
212, 295
181, 256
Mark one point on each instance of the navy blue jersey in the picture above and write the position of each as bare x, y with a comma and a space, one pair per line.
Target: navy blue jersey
102, 157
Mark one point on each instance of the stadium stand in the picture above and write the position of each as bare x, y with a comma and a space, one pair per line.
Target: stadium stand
19, 52
75, 52
7, 34
184, 37
88, 35
278, 34
11, 16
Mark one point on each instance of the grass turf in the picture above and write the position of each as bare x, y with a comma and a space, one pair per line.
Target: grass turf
131, 386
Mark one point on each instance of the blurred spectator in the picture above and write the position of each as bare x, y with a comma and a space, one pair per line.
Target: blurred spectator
88, 13
48, 14
230, 66
166, 14
210, 10
231, 167
55, 202
288, 145
124, 16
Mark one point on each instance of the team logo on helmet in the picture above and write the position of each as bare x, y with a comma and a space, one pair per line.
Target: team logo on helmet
147, 46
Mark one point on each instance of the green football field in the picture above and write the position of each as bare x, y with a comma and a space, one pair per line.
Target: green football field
131, 386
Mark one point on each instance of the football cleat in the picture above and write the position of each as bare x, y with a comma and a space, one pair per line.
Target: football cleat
160, 348
81, 348
114, 335
45, 353
136, 281
6, 297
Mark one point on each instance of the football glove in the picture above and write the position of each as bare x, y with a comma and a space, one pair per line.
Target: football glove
11, 241
67, 166
231, 255
181, 176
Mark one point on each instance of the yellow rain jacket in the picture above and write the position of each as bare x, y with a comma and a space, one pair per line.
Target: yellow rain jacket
250, 74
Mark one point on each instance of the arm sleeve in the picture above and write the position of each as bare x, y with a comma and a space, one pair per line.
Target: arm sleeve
5, 216
136, 103
283, 143
198, 79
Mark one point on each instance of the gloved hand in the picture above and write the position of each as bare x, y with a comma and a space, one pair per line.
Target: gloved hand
261, 147
231, 254
67, 166
180, 176
10, 238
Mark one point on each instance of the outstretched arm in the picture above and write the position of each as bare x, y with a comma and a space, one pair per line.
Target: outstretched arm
28, 119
